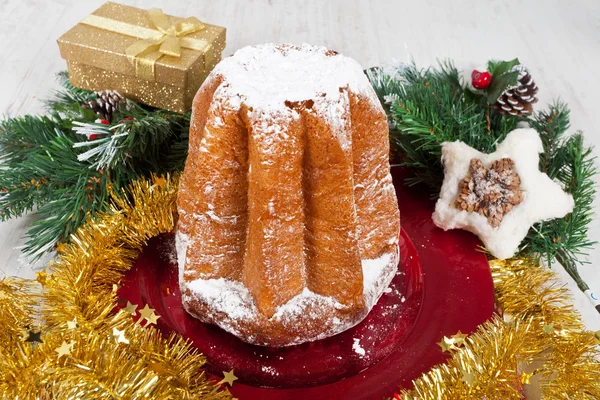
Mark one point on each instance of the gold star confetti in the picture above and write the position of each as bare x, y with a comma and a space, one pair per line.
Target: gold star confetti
60, 247
160, 182
508, 318
446, 344
65, 349
548, 329
120, 335
148, 314
459, 338
130, 308
525, 378
34, 337
41, 277
229, 377
468, 377
72, 324
3, 295
157, 367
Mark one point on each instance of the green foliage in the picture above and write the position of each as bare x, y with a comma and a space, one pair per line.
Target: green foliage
429, 107
70, 95
499, 84
54, 165
497, 68
570, 162
502, 77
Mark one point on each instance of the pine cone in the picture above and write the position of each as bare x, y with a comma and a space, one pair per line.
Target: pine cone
518, 100
106, 103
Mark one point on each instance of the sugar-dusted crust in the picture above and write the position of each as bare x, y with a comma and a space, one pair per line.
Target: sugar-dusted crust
286, 198
306, 317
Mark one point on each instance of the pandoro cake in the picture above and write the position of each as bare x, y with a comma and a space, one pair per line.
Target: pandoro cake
288, 220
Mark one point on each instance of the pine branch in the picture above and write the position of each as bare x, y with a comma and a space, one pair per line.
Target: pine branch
52, 162
571, 163
23, 183
69, 95
551, 125
69, 207
428, 107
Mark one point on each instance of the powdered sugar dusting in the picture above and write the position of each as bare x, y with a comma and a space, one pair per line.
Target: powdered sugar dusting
374, 278
182, 242
226, 296
357, 347
233, 298
267, 76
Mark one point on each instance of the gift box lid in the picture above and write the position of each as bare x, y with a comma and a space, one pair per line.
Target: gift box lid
105, 48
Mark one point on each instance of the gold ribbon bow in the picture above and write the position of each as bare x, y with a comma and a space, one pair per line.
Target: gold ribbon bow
166, 39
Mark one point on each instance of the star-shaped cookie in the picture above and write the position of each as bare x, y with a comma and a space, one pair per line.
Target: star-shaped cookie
498, 196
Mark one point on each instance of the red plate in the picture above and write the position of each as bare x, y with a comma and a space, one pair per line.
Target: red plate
444, 285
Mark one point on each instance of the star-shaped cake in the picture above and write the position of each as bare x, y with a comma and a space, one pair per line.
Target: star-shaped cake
498, 196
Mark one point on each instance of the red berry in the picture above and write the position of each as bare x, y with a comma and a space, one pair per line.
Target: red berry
128, 119
481, 80
94, 136
102, 121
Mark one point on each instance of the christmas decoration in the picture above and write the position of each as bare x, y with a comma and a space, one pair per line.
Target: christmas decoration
105, 104
518, 100
148, 314
430, 107
492, 191
64, 163
41, 277
497, 356
65, 348
228, 377
86, 348
499, 211
150, 57
131, 308
459, 338
446, 344
63, 335
481, 80
489, 363
34, 337
120, 336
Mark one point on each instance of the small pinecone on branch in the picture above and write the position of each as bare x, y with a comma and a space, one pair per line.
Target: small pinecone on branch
518, 100
106, 102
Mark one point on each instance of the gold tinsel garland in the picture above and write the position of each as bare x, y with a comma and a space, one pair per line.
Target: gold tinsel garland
85, 350
540, 338
64, 340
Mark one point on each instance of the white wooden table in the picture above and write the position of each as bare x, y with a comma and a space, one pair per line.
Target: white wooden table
559, 41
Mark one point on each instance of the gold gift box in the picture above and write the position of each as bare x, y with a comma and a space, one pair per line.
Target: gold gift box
96, 54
